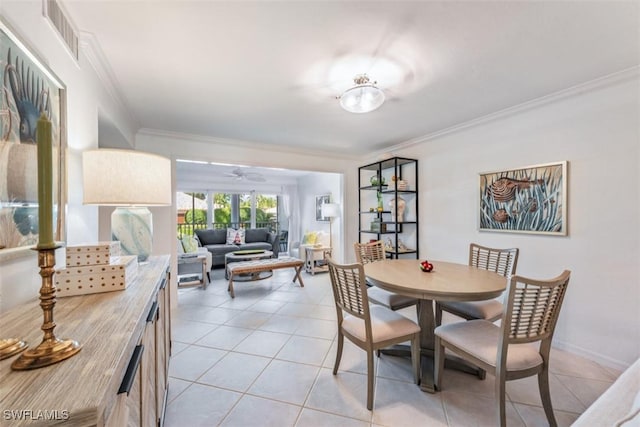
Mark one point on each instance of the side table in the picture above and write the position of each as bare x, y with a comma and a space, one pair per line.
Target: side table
192, 279
316, 259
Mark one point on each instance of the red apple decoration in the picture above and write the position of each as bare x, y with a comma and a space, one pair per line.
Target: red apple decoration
426, 266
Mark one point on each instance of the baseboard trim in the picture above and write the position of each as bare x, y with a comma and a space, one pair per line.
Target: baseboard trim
588, 354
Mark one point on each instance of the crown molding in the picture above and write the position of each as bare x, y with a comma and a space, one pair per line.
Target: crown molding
245, 144
98, 61
591, 85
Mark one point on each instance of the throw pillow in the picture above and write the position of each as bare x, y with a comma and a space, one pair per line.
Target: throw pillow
235, 237
189, 244
309, 238
211, 237
256, 235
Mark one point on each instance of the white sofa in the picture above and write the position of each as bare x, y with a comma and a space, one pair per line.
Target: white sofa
619, 406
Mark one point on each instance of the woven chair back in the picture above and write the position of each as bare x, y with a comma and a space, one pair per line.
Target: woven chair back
533, 307
349, 289
369, 252
501, 261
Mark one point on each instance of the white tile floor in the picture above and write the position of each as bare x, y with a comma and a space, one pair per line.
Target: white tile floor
265, 358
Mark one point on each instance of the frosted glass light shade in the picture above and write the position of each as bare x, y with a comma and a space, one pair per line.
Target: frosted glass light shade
362, 98
130, 180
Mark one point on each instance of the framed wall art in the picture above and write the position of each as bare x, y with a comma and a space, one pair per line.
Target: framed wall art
320, 200
530, 199
29, 89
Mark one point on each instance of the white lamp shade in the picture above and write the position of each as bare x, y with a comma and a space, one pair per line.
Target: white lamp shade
126, 178
330, 210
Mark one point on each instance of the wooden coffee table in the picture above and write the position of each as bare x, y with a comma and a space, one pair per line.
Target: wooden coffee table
248, 255
237, 269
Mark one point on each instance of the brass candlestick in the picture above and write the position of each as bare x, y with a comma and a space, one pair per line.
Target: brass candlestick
51, 350
10, 347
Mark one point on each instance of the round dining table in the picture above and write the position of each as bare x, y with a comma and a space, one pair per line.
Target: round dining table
446, 282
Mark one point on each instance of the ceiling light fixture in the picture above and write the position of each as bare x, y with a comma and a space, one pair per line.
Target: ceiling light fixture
364, 97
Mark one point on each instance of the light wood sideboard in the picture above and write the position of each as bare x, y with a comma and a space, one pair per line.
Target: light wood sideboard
119, 378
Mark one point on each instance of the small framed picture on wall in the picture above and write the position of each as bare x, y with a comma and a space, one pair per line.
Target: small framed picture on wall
320, 200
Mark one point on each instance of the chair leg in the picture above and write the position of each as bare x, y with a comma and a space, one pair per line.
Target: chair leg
545, 396
500, 398
339, 352
415, 358
438, 363
438, 314
370, 379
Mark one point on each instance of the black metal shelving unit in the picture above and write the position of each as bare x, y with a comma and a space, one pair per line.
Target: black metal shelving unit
377, 223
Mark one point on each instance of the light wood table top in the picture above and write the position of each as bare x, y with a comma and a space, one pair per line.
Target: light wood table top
447, 282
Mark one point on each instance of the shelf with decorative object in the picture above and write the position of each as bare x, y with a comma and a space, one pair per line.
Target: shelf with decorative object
388, 205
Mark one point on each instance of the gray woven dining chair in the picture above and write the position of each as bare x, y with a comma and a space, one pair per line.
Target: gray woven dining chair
501, 261
372, 252
370, 327
530, 316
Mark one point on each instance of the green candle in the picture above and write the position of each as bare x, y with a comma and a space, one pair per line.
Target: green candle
45, 183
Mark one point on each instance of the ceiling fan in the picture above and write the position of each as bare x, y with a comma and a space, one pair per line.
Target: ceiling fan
239, 175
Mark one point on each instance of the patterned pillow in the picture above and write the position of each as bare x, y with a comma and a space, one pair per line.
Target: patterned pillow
189, 244
235, 237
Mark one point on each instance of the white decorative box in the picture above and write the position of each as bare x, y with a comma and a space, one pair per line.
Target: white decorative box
92, 279
92, 254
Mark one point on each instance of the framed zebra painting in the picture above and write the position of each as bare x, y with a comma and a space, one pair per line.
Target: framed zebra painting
530, 199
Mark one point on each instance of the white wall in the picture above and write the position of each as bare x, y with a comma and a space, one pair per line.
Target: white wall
86, 94
311, 186
597, 131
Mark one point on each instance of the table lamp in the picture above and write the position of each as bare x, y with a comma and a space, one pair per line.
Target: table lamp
330, 210
131, 181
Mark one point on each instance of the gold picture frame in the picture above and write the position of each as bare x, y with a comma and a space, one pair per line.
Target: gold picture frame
29, 88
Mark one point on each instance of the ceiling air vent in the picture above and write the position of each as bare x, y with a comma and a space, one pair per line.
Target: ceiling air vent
56, 15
